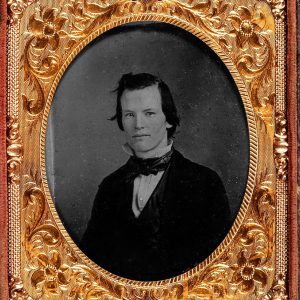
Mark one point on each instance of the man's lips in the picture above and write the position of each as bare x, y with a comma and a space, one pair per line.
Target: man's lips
140, 135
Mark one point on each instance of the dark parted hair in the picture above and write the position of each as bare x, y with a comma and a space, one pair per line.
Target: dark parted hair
142, 80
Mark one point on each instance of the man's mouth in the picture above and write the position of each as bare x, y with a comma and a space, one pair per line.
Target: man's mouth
140, 135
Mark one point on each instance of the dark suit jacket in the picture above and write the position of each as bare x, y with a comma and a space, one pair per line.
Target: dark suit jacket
183, 222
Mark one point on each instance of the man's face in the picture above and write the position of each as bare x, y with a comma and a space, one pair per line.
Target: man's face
143, 120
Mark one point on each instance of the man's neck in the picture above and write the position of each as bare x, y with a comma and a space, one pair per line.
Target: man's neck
151, 154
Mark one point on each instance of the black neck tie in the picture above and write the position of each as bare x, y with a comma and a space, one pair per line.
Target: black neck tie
138, 166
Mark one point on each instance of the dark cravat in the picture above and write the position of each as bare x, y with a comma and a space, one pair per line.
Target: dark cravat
137, 166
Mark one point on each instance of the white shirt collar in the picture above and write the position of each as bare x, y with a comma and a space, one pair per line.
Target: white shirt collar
158, 153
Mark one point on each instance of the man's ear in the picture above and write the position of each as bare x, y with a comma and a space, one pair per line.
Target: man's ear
169, 125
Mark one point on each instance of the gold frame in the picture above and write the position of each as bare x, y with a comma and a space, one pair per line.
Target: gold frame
249, 36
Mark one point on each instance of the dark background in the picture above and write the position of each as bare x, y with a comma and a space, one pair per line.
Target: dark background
83, 146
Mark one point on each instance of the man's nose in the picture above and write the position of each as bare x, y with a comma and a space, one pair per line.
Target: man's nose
139, 122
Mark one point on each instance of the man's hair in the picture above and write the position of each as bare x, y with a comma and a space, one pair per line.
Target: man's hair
142, 80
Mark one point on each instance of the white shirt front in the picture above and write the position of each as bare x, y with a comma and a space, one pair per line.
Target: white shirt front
144, 186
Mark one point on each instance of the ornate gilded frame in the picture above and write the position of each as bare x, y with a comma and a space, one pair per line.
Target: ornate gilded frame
43, 38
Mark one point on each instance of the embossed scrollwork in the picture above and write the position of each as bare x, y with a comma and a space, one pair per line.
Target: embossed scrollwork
281, 146
17, 290
34, 203
87, 284
46, 33
52, 272
251, 266
14, 150
246, 269
278, 290
53, 267
36, 233
256, 59
278, 8
16, 9
244, 272
87, 15
264, 202
39, 236
213, 284
175, 291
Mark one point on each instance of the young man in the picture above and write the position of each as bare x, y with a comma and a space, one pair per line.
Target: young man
160, 214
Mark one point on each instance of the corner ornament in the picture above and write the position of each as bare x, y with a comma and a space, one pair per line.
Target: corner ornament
16, 9
281, 146
278, 290
16, 289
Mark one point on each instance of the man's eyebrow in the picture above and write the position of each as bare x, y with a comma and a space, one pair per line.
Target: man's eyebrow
145, 110
150, 108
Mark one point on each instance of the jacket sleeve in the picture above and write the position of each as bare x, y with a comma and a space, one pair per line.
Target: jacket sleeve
218, 220
206, 219
89, 241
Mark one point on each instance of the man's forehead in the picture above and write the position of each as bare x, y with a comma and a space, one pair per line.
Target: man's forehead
148, 96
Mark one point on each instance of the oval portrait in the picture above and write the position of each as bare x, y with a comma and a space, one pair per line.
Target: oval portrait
147, 151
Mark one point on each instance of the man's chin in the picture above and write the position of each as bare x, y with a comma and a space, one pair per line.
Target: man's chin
140, 148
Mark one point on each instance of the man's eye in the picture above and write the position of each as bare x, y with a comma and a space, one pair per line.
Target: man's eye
129, 115
150, 113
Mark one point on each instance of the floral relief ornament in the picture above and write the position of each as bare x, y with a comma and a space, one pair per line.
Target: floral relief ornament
48, 29
51, 273
16, 8
248, 273
247, 26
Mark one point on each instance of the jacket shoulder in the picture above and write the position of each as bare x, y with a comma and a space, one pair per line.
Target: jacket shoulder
114, 177
196, 183
192, 171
